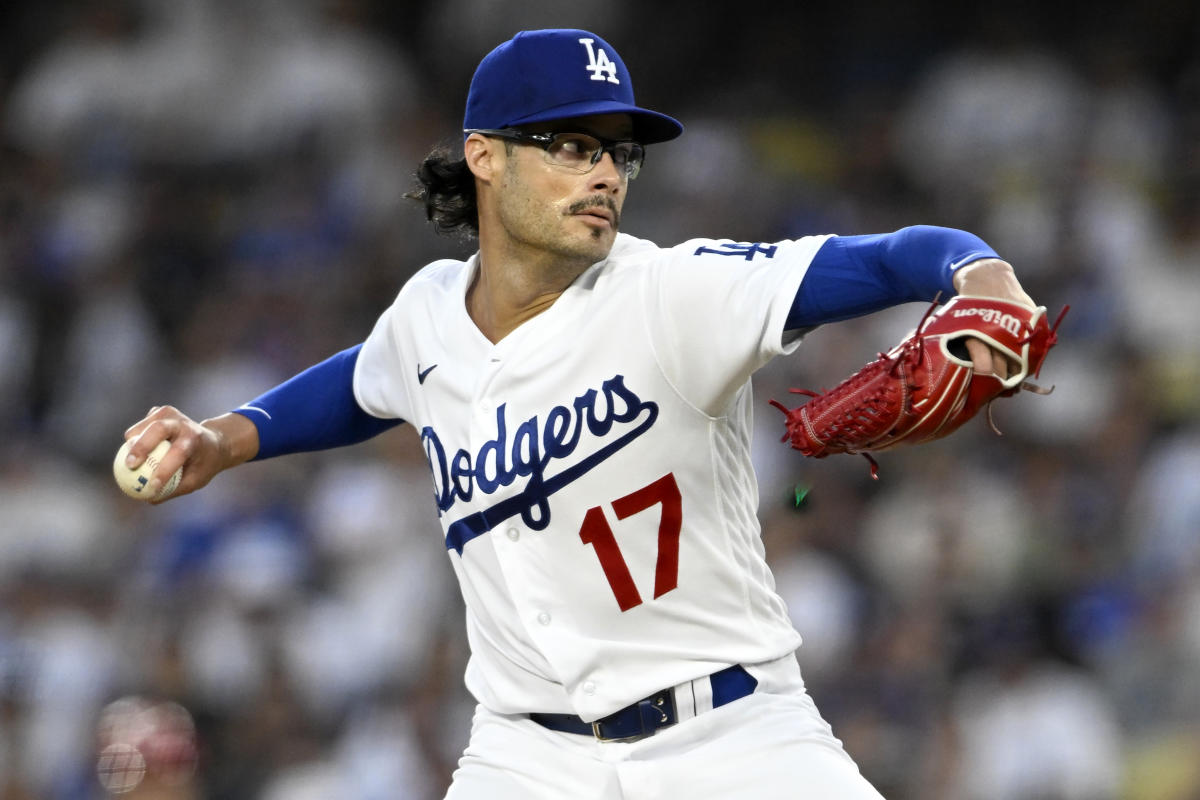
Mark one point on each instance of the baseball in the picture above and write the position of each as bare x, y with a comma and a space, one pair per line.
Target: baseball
133, 482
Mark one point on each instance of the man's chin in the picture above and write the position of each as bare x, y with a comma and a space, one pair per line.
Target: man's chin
593, 246
602, 247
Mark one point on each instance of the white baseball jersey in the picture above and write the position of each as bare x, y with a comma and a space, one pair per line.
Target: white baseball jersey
592, 469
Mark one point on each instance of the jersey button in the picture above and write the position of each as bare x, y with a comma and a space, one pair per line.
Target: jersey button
513, 534
589, 687
543, 618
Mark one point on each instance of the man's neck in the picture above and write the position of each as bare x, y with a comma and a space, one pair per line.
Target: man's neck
511, 288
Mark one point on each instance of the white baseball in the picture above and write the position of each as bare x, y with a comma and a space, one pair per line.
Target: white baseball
133, 482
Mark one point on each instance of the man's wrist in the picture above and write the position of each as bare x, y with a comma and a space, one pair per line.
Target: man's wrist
237, 438
990, 277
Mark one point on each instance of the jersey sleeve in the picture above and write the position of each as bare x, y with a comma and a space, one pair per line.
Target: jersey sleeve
719, 309
855, 275
378, 384
314, 410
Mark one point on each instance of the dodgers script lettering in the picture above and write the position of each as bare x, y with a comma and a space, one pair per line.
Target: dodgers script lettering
611, 417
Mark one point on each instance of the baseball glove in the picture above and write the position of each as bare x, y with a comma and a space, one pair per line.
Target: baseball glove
925, 387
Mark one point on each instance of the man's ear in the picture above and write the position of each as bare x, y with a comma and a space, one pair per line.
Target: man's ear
481, 154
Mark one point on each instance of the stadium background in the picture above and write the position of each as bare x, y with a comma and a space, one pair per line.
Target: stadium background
198, 199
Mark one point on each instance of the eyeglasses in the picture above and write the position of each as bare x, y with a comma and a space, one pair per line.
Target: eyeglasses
576, 151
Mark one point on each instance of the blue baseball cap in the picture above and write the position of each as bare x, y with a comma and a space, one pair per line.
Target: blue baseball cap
538, 76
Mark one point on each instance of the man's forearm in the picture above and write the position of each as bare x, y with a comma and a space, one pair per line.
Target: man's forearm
855, 275
314, 410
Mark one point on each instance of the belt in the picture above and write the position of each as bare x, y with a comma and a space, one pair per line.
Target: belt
660, 710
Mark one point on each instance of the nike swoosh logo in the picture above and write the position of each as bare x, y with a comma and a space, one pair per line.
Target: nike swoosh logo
422, 374
249, 407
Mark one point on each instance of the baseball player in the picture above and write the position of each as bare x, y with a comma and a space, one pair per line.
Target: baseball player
583, 397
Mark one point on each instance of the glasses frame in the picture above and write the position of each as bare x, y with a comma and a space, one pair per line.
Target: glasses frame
546, 140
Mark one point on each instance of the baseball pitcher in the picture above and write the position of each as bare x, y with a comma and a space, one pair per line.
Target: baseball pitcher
583, 397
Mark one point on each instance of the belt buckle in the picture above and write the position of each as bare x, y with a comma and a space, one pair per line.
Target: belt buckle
600, 737
657, 703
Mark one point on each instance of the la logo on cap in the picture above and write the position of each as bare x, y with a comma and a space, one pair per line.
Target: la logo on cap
599, 63
535, 77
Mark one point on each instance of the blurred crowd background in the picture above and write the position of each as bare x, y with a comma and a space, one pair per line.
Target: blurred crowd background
198, 199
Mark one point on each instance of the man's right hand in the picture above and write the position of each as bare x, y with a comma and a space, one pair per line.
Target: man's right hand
203, 449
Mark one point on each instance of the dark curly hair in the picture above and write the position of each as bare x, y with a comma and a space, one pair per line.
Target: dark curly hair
447, 190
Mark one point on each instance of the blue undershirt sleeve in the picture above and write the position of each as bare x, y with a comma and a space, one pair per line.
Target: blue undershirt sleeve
315, 410
855, 275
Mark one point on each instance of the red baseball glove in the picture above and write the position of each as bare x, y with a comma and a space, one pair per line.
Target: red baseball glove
925, 387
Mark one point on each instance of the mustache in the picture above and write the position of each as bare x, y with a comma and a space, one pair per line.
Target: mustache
597, 201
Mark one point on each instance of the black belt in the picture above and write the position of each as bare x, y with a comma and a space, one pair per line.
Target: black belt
647, 716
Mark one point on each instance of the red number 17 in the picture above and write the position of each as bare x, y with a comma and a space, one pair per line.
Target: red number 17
599, 534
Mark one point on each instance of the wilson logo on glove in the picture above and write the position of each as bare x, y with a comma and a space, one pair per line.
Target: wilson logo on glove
922, 389
1007, 321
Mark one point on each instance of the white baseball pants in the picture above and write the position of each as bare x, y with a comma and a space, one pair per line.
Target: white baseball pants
764, 746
